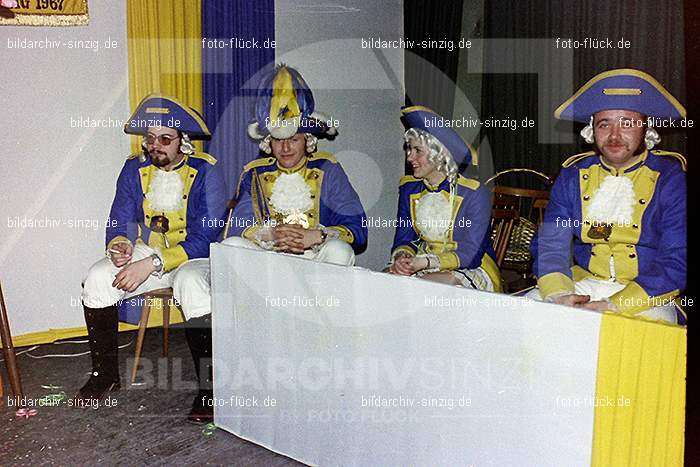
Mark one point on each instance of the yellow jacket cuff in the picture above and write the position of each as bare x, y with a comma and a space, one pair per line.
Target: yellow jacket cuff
448, 261
249, 232
345, 233
554, 283
118, 239
402, 249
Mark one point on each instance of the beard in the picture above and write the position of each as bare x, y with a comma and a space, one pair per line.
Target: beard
159, 158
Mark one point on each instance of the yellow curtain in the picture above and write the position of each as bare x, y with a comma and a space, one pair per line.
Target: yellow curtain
165, 56
165, 52
640, 393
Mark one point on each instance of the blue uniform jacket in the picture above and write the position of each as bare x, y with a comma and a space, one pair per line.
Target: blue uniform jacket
335, 202
469, 242
191, 229
649, 255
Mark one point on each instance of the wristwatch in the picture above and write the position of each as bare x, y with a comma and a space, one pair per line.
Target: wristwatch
157, 263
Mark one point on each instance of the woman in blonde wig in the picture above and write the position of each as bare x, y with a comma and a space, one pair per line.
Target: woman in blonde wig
443, 221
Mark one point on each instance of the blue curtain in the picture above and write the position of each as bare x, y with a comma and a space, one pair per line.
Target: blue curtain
236, 45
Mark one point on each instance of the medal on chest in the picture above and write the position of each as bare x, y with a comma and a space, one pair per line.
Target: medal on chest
161, 225
600, 231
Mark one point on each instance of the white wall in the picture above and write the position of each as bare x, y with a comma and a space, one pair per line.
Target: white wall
362, 88
55, 172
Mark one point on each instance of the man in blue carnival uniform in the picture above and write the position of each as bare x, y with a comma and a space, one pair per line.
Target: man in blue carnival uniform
295, 200
444, 219
159, 219
619, 210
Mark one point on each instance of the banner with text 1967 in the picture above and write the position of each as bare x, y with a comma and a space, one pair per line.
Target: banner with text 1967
43, 12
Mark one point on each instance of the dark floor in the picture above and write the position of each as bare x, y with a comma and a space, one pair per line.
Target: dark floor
146, 426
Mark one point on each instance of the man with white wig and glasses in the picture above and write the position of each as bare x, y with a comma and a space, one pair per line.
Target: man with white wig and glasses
158, 220
620, 210
443, 229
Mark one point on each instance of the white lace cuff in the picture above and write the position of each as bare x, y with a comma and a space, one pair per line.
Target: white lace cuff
264, 231
433, 263
329, 234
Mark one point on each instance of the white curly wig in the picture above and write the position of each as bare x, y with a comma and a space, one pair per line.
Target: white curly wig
651, 137
438, 154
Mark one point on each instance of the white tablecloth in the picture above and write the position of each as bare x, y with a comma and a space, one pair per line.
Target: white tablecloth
345, 366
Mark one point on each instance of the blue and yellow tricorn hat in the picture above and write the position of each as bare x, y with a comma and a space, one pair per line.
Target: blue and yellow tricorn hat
285, 107
623, 89
158, 110
425, 119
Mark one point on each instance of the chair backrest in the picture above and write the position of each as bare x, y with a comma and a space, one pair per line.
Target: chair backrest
528, 200
516, 212
231, 204
525, 200
502, 221
540, 204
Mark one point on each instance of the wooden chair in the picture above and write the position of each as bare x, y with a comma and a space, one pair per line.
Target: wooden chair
530, 205
515, 261
540, 204
231, 204
164, 295
502, 221
526, 200
8, 351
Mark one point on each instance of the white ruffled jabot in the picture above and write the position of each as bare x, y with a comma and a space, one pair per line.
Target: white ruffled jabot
613, 202
290, 194
165, 191
433, 216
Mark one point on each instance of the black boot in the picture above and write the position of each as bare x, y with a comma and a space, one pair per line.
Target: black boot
198, 332
102, 326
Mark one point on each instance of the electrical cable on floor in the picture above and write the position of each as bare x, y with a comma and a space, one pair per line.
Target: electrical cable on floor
75, 354
82, 341
22, 351
80, 354
27, 350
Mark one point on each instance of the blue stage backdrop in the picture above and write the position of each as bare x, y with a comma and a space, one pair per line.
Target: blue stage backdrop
237, 42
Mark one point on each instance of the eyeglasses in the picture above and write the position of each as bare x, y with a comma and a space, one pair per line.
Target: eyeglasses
164, 140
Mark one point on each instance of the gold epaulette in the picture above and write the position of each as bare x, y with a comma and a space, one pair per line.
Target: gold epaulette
679, 157
323, 155
406, 179
259, 162
574, 159
134, 156
207, 157
468, 182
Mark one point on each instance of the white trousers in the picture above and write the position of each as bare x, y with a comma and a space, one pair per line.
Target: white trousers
192, 284
599, 289
98, 291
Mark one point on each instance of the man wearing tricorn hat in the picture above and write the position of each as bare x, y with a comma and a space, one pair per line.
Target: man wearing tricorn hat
295, 200
155, 224
623, 204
